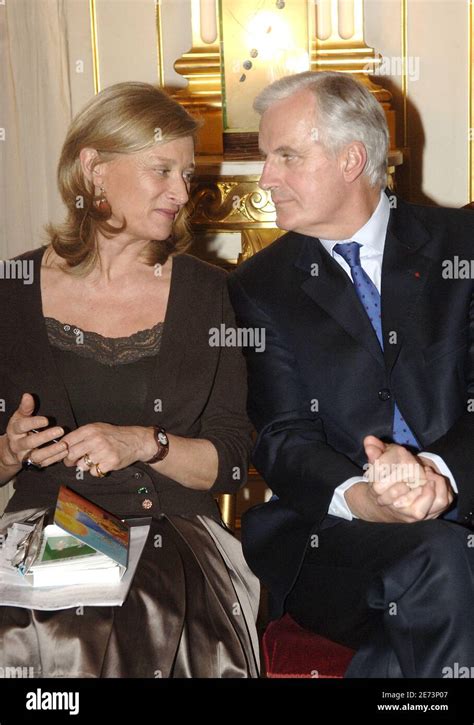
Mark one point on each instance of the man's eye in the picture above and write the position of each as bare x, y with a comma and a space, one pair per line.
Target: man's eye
288, 157
188, 177
163, 172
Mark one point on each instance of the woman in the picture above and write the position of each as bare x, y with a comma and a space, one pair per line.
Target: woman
108, 353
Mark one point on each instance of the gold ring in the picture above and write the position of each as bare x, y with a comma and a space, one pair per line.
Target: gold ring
88, 461
100, 474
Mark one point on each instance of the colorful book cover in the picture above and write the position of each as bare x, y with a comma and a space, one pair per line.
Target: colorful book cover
92, 525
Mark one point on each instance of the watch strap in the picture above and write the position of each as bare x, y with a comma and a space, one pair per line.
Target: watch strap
162, 448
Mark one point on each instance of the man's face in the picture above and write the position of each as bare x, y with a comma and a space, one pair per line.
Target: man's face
306, 182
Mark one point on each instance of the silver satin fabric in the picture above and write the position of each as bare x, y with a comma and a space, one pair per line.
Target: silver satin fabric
191, 612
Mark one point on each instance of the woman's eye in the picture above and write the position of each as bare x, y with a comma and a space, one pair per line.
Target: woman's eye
188, 177
163, 172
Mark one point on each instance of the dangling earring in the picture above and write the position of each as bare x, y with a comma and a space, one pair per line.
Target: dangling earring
102, 203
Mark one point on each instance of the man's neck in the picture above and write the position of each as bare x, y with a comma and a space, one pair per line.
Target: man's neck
351, 217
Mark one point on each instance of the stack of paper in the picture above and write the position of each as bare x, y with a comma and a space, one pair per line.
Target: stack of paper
83, 559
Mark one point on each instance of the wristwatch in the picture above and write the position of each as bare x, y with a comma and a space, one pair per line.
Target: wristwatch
162, 443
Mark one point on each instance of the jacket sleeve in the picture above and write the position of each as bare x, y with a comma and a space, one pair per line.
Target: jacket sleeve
10, 329
291, 450
224, 421
456, 446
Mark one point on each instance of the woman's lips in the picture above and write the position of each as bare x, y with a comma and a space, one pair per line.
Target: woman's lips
167, 213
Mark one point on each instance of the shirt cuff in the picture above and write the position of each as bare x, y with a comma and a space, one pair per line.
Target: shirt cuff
441, 466
338, 505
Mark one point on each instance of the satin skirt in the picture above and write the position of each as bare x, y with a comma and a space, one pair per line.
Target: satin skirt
190, 612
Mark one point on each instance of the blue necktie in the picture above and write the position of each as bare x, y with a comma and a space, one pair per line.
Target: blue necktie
370, 298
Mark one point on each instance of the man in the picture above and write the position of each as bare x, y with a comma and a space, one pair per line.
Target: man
362, 396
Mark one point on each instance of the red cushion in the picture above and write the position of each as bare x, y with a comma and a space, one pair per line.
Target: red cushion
291, 651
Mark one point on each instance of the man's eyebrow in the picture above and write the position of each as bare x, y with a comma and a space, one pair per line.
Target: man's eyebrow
282, 150
286, 150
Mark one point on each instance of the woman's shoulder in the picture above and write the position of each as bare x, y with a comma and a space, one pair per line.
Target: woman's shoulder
19, 273
34, 255
198, 270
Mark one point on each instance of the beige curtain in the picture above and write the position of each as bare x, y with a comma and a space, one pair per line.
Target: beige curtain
35, 110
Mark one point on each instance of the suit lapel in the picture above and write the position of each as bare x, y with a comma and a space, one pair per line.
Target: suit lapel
404, 273
329, 287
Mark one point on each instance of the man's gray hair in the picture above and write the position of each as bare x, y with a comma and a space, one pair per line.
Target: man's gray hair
345, 111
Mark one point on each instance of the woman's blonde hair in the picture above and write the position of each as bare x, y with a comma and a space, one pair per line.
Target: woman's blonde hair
122, 119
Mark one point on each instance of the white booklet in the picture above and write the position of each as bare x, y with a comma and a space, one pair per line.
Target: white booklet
16, 590
64, 559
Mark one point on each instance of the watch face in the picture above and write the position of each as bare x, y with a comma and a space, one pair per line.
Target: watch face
163, 439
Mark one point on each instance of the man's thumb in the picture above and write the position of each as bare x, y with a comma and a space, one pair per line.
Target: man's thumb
374, 448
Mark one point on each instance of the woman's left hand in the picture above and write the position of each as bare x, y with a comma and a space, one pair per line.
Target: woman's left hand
109, 447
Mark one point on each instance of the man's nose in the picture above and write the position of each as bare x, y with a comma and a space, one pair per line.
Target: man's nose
268, 179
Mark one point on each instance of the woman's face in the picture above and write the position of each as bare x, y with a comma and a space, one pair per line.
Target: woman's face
148, 188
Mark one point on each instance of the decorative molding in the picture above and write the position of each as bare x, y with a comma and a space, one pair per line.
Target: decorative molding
159, 43
95, 46
229, 203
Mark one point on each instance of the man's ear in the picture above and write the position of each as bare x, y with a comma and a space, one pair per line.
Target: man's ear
354, 159
87, 157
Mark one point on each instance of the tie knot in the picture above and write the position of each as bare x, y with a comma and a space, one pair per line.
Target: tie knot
350, 252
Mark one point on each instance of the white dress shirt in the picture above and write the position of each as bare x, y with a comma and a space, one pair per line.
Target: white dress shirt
372, 238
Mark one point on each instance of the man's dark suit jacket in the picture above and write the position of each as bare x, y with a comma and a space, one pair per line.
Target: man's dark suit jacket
323, 382
201, 389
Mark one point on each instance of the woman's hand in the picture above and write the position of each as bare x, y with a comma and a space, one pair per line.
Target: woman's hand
20, 443
110, 447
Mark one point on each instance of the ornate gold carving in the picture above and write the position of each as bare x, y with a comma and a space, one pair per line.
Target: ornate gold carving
231, 203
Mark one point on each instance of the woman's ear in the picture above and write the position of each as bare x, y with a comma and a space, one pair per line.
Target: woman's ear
92, 172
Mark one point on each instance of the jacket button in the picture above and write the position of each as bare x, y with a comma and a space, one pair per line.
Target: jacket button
384, 394
147, 504
138, 474
142, 489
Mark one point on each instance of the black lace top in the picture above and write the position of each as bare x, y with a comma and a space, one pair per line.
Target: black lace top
106, 378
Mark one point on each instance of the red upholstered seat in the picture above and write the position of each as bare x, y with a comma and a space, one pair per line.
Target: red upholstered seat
291, 651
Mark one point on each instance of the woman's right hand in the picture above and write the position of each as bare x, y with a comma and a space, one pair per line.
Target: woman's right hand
19, 443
